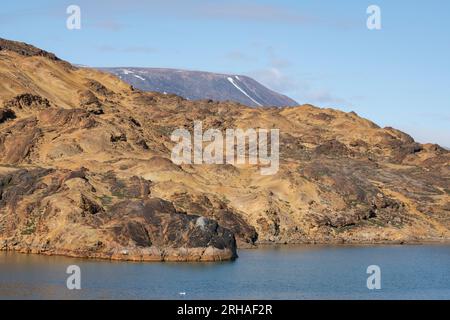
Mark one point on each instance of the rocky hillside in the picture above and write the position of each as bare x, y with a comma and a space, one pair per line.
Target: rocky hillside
85, 171
197, 85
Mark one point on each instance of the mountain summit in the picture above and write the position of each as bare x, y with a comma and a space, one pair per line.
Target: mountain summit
198, 85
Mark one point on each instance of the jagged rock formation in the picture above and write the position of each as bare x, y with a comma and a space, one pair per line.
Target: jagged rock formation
85, 171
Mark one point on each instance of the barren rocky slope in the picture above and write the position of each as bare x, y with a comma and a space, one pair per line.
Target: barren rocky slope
85, 171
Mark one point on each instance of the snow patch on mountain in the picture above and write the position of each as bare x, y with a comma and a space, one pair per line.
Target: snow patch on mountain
230, 79
139, 77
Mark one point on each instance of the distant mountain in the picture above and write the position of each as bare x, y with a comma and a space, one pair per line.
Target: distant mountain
197, 85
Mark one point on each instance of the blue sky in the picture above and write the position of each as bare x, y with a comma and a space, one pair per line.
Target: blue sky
317, 52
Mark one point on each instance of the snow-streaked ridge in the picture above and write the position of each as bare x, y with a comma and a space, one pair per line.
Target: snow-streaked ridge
241, 90
139, 77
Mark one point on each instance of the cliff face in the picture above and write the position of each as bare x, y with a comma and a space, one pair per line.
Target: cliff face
85, 170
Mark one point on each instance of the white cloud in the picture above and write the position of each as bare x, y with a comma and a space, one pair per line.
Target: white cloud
277, 75
237, 55
132, 49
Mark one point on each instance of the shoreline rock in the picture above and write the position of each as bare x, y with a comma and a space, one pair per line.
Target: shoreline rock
153, 254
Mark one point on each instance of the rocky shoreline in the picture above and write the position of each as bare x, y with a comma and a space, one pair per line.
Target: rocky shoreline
152, 254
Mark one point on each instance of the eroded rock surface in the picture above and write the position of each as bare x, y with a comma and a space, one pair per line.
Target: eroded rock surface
85, 171
61, 212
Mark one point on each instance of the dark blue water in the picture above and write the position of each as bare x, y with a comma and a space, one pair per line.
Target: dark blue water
306, 272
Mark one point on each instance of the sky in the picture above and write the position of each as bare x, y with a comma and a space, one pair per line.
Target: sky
319, 51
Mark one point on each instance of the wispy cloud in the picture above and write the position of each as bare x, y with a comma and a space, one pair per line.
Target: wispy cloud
238, 55
132, 49
232, 10
141, 49
31, 11
253, 12
435, 116
277, 76
109, 25
323, 96
275, 79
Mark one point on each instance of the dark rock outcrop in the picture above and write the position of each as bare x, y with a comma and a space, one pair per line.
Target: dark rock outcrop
143, 230
27, 101
6, 114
